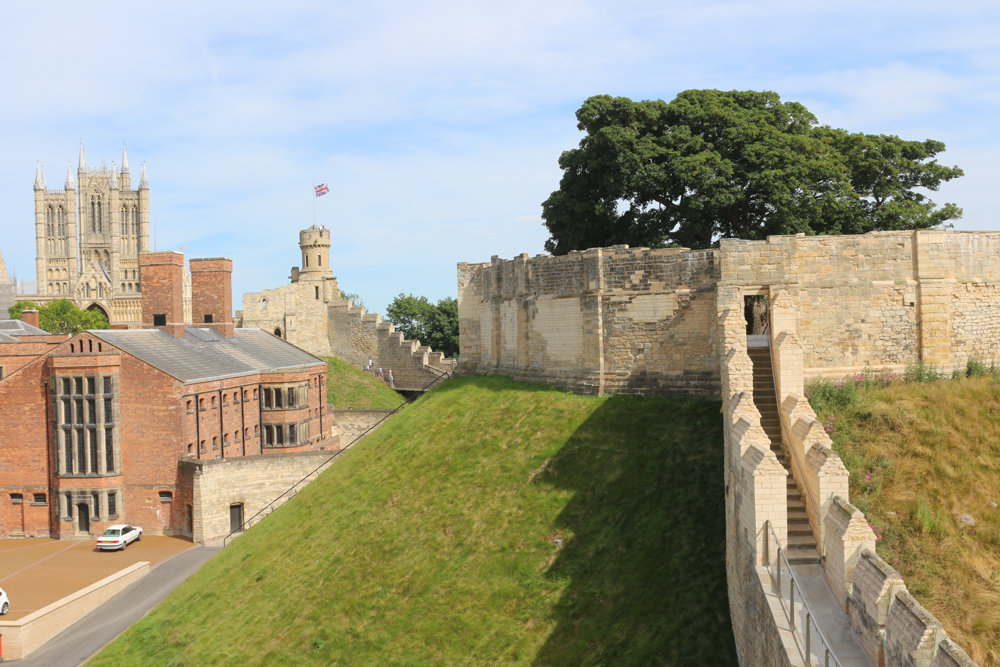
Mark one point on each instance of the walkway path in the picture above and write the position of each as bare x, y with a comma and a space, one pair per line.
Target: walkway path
91, 633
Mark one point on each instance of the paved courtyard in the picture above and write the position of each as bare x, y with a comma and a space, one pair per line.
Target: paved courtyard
36, 572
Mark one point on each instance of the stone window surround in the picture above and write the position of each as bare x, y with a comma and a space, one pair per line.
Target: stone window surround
276, 396
97, 499
70, 428
274, 431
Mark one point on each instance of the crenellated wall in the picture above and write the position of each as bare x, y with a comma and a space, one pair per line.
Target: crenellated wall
606, 320
672, 321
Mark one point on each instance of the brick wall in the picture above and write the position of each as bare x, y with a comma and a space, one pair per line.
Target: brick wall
161, 274
212, 294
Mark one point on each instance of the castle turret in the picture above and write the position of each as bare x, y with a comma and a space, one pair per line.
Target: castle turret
315, 245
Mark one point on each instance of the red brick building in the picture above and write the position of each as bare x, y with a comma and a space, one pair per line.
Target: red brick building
93, 426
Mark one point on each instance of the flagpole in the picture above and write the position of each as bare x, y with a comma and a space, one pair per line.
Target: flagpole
314, 202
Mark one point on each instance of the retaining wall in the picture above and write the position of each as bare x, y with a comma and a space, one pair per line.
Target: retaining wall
27, 634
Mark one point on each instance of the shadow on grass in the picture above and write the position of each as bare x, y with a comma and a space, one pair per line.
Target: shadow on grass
646, 561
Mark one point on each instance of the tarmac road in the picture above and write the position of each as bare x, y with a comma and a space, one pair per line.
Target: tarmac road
92, 632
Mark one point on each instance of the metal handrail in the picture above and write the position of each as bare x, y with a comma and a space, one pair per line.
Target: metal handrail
814, 648
246, 525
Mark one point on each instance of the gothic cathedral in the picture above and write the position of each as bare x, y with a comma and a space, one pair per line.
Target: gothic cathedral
88, 238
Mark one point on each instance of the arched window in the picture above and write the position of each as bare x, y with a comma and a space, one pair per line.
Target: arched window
319, 260
87, 290
93, 214
61, 215
100, 217
263, 303
50, 227
123, 288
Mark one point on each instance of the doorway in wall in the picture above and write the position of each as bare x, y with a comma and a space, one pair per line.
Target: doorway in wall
756, 313
236, 518
83, 513
277, 332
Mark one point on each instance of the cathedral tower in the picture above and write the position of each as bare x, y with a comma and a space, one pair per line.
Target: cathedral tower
88, 238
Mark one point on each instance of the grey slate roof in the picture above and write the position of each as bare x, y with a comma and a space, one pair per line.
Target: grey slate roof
202, 354
19, 328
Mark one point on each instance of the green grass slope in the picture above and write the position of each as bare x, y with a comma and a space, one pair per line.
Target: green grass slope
350, 387
491, 522
922, 454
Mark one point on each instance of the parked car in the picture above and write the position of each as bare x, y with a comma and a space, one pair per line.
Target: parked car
119, 536
4, 602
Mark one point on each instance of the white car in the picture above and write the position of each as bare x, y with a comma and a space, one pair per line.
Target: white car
119, 536
4, 602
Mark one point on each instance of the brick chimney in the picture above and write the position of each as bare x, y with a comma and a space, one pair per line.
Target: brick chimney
161, 275
30, 317
212, 294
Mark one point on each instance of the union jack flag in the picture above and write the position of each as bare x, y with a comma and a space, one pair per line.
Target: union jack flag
321, 189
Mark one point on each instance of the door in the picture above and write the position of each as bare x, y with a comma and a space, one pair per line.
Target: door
83, 512
236, 518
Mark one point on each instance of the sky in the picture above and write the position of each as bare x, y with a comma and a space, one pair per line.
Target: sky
438, 125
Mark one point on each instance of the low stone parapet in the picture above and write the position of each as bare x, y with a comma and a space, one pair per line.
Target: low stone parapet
28, 634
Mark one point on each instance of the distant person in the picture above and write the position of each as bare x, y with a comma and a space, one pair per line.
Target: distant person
370, 364
380, 374
390, 378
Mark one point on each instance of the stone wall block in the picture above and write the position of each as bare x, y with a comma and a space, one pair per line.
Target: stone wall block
873, 585
847, 533
912, 634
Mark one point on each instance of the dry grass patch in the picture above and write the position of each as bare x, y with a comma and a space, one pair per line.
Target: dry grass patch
924, 459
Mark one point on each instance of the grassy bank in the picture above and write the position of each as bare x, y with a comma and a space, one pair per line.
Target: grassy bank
924, 458
350, 387
490, 523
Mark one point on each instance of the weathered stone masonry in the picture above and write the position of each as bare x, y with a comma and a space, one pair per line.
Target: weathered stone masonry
672, 321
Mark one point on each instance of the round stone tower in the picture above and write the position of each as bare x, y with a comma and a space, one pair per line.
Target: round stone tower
315, 245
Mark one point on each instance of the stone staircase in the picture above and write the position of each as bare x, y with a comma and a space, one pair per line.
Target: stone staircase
801, 548
357, 335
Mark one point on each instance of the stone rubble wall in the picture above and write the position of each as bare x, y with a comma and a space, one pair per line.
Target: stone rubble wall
608, 320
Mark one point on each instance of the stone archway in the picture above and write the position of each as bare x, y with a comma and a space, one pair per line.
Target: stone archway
96, 307
277, 332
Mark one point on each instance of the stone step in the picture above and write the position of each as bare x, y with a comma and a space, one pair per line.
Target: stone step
797, 515
801, 541
805, 556
798, 530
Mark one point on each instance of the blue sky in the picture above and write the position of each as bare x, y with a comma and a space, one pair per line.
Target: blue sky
438, 125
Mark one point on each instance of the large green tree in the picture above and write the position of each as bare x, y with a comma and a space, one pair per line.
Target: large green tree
419, 319
62, 316
735, 164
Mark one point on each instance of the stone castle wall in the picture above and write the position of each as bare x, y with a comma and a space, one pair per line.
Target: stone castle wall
637, 320
310, 313
605, 320
673, 321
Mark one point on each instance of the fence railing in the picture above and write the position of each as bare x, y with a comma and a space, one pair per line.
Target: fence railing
292, 490
812, 644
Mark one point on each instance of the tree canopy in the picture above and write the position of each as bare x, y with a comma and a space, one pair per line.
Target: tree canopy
419, 319
62, 316
738, 164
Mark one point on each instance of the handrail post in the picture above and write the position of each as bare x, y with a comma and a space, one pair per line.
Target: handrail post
808, 648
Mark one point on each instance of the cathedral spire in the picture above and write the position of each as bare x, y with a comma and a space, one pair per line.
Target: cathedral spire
143, 185
4, 278
114, 178
83, 160
70, 183
124, 158
39, 177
